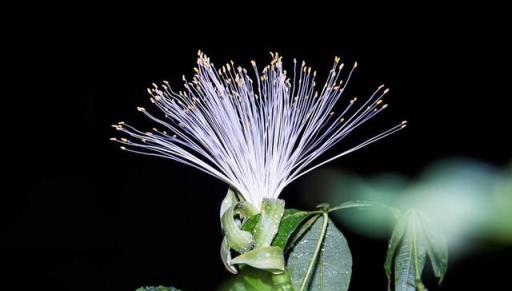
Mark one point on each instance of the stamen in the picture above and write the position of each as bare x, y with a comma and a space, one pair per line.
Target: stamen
258, 136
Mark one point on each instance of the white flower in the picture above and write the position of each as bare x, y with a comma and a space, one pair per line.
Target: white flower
256, 134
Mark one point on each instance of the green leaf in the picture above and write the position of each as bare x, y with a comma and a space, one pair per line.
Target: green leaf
411, 257
437, 247
265, 258
413, 238
271, 213
292, 218
321, 259
394, 242
300, 232
158, 288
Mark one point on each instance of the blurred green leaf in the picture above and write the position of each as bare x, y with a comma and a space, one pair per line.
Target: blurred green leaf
321, 259
445, 190
158, 288
501, 226
374, 221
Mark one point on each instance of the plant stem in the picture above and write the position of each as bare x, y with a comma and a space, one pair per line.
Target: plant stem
317, 251
365, 204
282, 281
352, 206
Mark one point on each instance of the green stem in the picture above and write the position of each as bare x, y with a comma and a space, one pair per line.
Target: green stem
317, 251
316, 212
350, 206
282, 281
364, 204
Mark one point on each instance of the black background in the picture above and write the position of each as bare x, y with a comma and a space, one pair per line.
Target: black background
79, 214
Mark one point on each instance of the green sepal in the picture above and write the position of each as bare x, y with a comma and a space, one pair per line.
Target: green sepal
265, 258
225, 252
228, 201
232, 211
271, 213
245, 209
225, 255
237, 239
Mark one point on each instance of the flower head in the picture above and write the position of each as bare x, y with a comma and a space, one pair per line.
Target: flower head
259, 133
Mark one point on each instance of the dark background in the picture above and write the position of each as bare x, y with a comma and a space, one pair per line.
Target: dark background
79, 214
